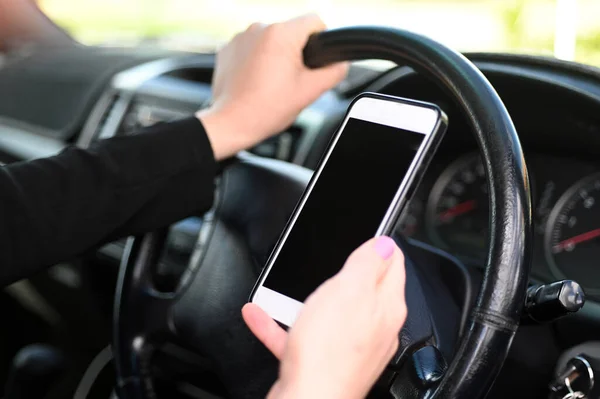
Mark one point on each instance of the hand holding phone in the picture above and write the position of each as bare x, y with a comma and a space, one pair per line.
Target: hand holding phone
367, 175
347, 331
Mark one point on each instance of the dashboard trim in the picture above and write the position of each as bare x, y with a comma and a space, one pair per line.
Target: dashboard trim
146, 80
545, 77
569, 75
125, 85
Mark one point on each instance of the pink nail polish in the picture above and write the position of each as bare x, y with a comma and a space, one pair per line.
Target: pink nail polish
385, 246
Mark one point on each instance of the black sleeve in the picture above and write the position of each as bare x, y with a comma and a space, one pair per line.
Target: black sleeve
55, 208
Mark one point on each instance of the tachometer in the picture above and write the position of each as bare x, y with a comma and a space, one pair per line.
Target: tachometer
572, 240
458, 209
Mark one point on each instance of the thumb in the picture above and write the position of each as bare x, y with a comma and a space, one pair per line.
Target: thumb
327, 77
265, 329
369, 263
307, 24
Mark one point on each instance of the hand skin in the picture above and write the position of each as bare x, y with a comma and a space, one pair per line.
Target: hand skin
347, 331
260, 84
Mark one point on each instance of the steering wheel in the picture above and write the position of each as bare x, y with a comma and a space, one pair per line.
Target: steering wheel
255, 196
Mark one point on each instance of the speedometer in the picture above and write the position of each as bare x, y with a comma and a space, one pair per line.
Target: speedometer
458, 208
572, 240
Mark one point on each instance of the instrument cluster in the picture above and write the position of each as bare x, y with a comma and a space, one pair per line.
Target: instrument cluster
451, 211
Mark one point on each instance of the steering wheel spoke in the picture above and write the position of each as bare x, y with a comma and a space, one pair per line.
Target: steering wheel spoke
418, 329
141, 314
438, 294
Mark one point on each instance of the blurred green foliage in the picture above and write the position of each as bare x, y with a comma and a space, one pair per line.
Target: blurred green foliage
516, 27
525, 26
588, 48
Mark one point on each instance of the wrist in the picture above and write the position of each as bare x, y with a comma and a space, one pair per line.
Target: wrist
223, 134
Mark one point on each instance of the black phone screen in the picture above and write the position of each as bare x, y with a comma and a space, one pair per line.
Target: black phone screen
345, 206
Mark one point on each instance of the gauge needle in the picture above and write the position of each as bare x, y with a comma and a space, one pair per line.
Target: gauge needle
456, 210
578, 239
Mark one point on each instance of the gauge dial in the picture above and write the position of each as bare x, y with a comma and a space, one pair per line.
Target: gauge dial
572, 241
458, 208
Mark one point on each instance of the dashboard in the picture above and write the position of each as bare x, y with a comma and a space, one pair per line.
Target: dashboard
558, 127
51, 100
554, 106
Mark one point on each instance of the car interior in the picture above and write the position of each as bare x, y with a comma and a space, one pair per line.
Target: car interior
503, 226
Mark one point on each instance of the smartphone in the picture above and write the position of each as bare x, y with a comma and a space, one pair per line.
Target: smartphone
368, 173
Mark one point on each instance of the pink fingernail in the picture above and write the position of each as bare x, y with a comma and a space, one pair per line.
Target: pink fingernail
385, 246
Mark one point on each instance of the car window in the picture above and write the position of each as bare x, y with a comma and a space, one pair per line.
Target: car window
564, 28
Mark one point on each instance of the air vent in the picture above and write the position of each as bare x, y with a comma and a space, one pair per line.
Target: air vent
105, 118
142, 115
112, 118
105, 115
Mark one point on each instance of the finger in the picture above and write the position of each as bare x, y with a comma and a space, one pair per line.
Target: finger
392, 289
275, 391
392, 349
309, 23
255, 26
327, 77
394, 279
369, 262
265, 329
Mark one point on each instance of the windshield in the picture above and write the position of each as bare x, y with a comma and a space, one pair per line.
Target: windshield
567, 29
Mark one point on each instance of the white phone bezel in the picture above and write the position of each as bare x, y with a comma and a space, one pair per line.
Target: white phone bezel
390, 112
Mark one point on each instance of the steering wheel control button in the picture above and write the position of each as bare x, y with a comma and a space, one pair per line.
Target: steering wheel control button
426, 366
548, 302
572, 296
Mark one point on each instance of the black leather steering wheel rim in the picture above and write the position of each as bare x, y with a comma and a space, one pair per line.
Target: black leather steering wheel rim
495, 318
